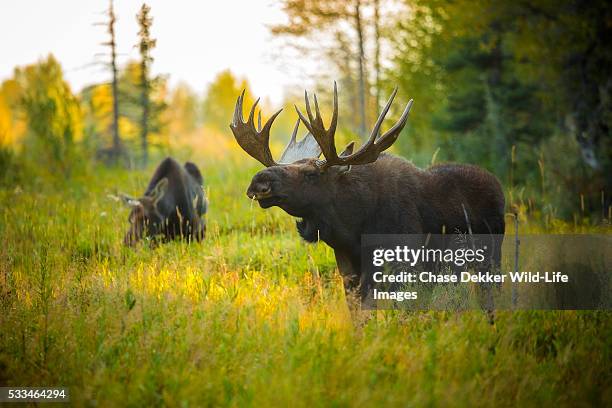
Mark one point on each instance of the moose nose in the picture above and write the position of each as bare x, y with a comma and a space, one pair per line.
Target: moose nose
258, 190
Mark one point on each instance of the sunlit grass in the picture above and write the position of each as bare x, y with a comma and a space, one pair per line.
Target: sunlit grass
252, 316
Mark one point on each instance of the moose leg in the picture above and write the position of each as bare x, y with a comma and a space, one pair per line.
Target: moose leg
492, 264
494, 267
350, 272
199, 230
350, 276
202, 230
497, 252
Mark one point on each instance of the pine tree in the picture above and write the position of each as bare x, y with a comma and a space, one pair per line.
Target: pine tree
145, 45
116, 149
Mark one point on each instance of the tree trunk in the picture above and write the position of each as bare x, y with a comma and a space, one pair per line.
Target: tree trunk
498, 128
362, 79
144, 128
145, 45
116, 151
344, 58
377, 53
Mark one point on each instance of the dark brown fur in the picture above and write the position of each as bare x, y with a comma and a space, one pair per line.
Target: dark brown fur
388, 196
173, 206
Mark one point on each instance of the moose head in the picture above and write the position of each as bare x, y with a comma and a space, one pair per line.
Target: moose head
145, 217
300, 182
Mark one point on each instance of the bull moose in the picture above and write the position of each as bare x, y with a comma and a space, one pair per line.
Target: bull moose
173, 205
342, 196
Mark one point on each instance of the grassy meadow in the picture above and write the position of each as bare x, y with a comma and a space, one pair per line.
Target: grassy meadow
253, 316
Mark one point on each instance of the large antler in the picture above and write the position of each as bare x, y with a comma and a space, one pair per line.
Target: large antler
256, 141
370, 150
253, 141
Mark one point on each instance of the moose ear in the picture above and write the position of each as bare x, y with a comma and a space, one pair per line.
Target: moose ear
126, 199
348, 150
159, 190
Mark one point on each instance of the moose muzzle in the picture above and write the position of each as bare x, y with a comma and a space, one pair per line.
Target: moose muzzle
258, 190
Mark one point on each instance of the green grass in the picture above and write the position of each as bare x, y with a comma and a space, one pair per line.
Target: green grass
251, 317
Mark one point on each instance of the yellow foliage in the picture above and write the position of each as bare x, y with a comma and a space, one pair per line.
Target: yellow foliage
102, 105
221, 99
6, 136
12, 127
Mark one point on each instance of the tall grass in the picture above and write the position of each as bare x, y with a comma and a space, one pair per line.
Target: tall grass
251, 317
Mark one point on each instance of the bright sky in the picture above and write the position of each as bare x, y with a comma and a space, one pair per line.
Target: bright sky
195, 40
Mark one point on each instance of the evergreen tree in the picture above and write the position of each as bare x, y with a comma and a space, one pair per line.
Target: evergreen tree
145, 45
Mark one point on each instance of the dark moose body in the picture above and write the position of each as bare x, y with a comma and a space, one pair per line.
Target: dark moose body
173, 206
368, 192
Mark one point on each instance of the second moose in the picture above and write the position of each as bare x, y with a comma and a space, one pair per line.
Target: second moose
173, 206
